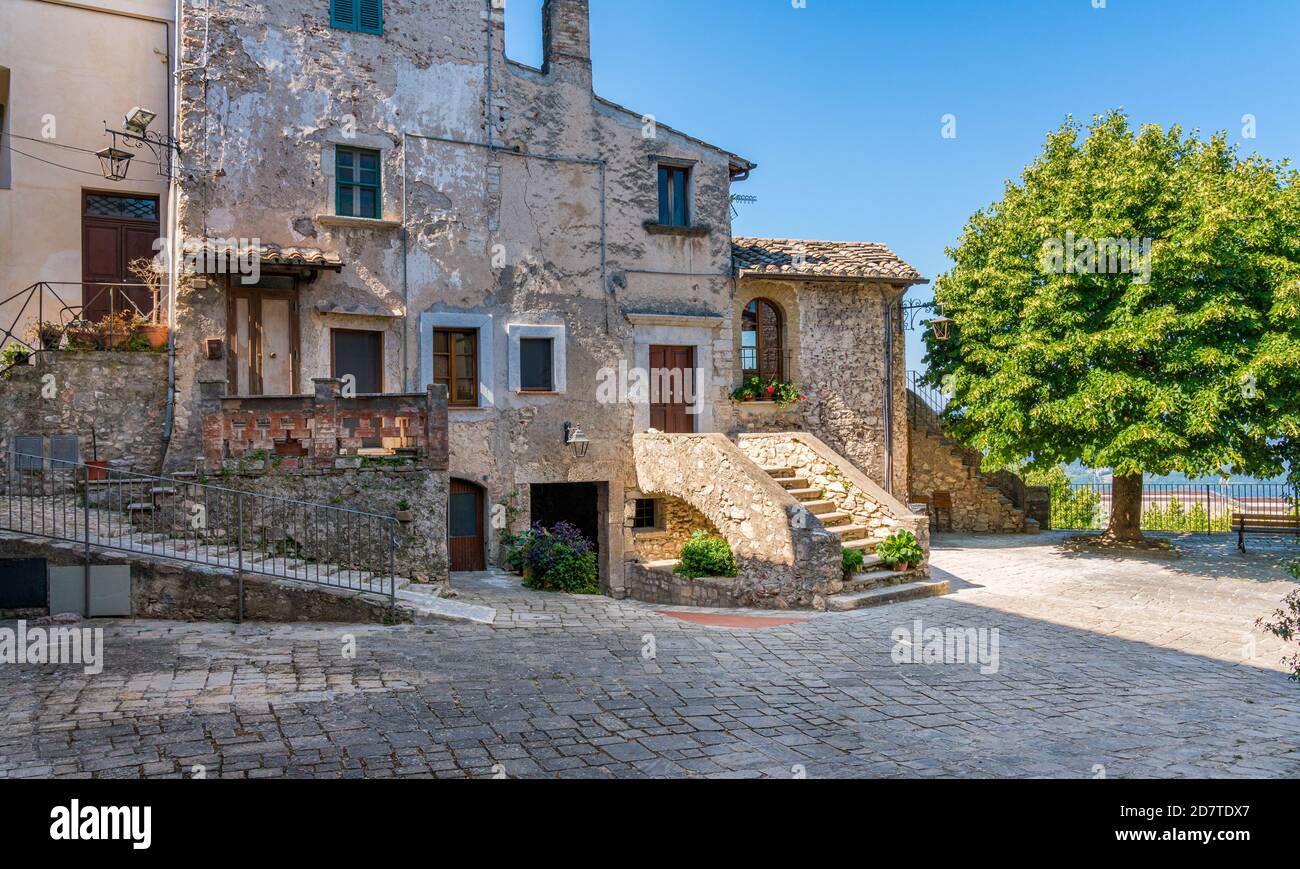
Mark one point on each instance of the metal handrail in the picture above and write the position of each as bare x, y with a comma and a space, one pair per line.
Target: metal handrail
69, 316
198, 523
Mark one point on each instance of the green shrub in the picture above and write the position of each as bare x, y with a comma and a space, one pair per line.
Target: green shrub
705, 555
901, 548
1285, 623
570, 572
853, 560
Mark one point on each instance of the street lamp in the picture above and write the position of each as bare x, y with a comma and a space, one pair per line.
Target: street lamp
576, 440
942, 327
138, 120
114, 163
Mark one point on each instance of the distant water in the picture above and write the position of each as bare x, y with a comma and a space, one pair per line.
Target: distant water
1079, 474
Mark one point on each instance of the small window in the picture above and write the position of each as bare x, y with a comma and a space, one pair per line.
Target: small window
536, 369
673, 186
762, 351
358, 183
361, 355
363, 16
647, 515
455, 364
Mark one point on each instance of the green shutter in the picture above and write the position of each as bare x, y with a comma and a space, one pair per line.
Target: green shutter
364, 16
370, 16
343, 14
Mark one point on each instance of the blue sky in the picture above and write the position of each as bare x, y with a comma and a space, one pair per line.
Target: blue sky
841, 102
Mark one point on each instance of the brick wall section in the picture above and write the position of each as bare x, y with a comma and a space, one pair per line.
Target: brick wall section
780, 566
323, 426
121, 395
566, 31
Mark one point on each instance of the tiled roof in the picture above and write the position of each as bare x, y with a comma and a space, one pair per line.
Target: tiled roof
268, 254
819, 259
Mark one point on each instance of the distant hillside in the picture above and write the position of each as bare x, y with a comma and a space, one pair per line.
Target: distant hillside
1079, 474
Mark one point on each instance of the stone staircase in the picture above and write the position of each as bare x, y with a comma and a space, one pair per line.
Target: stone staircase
814, 500
941, 464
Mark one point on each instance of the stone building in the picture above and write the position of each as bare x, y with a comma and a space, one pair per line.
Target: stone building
376, 204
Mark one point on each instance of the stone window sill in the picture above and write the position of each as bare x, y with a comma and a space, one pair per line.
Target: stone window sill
763, 405
356, 222
655, 228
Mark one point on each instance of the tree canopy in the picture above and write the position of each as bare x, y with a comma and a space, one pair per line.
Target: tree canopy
1132, 302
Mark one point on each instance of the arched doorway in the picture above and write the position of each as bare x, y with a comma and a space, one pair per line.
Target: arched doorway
466, 541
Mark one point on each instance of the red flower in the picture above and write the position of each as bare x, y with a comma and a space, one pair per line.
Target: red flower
771, 390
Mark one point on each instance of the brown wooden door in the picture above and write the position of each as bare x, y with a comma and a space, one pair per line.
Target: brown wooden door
115, 231
672, 383
262, 337
465, 527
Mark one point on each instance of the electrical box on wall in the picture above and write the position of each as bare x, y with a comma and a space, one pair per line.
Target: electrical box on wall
110, 590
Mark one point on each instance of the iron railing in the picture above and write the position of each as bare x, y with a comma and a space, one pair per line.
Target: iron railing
933, 398
67, 319
198, 523
1204, 508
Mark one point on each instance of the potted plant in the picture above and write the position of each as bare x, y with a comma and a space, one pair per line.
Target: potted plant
901, 551
95, 469
405, 514
782, 393
151, 272
47, 334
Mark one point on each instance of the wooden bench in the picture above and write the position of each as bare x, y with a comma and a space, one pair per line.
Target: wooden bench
1264, 523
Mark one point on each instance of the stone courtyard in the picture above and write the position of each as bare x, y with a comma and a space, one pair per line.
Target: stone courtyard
1141, 667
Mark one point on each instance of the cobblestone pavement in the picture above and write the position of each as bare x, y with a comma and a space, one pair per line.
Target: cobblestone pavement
1134, 667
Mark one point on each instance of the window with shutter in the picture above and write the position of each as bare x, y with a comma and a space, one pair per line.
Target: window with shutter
363, 16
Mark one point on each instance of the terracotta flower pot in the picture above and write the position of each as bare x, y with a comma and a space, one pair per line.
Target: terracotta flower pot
155, 334
405, 516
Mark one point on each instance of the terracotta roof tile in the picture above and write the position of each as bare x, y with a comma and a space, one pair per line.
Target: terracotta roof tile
268, 254
819, 259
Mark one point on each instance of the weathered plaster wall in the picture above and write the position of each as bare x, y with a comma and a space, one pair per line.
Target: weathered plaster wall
511, 233
121, 395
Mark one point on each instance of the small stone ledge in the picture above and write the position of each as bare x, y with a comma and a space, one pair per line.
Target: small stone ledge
655, 582
338, 220
654, 227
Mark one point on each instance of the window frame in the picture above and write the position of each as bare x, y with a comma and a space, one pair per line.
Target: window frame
379, 353
353, 23
340, 185
761, 339
453, 374
550, 353
669, 195
656, 515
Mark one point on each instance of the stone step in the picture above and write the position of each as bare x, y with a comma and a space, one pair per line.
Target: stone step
884, 595
793, 482
849, 532
139, 507
806, 495
779, 471
866, 544
819, 508
882, 578
835, 519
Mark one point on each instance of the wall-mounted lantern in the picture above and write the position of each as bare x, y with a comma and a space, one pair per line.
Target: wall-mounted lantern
114, 163
942, 327
576, 440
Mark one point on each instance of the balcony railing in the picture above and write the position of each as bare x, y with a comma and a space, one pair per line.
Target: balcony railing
46, 321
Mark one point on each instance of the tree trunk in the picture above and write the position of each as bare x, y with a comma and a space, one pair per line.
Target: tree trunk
1126, 509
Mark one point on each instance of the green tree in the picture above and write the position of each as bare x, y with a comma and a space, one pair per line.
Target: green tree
1177, 351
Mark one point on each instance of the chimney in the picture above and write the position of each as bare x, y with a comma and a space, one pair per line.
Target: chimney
566, 38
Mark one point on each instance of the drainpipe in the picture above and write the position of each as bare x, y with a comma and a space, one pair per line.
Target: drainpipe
406, 287
173, 225
889, 393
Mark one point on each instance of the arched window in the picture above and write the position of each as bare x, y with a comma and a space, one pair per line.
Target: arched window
762, 340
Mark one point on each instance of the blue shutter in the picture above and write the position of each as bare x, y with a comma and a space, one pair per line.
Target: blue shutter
370, 16
343, 14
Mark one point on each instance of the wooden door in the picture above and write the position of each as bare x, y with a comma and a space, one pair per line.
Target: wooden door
465, 527
116, 230
262, 337
672, 379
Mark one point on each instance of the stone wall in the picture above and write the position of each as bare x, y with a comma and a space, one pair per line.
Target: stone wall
850, 489
377, 488
660, 585
121, 396
835, 341
678, 522
781, 566
181, 592
939, 464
